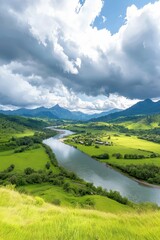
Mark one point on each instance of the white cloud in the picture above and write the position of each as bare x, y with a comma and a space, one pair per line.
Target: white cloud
16, 90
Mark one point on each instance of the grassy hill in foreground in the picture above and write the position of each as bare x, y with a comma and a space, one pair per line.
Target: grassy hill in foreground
24, 218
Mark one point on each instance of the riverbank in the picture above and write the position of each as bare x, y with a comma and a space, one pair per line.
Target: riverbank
135, 179
142, 182
145, 171
93, 171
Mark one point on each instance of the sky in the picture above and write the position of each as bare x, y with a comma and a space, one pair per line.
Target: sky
87, 55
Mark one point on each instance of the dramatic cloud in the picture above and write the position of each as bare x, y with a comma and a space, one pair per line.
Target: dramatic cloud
16, 90
46, 45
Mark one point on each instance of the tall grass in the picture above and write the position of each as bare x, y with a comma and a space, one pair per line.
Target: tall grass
24, 218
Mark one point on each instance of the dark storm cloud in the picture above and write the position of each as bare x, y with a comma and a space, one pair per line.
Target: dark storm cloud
18, 44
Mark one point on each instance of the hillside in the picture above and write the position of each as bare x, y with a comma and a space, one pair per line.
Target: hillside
14, 125
23, 217
140, 122
146, 107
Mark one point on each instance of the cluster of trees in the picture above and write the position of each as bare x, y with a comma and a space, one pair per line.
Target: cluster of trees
125, 156
51, 155
68, 180
152, 137
6, 125
101, 156
134, 156
147, 172
30, 176
117, 155
28, 142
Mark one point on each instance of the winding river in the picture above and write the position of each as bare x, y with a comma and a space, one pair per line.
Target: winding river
98, 173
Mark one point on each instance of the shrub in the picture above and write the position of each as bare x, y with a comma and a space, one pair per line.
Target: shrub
13, 179
117, 197
96, 146
66, 186
39, 201
117, 155
48, 165
101, 156
56, 202
34, 178
88, 203
29, 171
11, 167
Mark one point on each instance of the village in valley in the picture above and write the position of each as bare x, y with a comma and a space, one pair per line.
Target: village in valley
91, 139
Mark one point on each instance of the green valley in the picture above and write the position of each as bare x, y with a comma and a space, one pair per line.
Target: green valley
30, 167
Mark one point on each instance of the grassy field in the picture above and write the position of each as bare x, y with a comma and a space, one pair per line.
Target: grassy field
24, 218
5, 136
124, 145
139, 125
51, 193
27, 132
36, 159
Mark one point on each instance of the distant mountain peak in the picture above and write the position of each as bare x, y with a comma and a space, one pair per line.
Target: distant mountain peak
148, 100
145, 107
57, 106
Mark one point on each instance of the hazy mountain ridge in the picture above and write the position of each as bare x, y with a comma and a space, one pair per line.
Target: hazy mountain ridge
56, 112
146, 107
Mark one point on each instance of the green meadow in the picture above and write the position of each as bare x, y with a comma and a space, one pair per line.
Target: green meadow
121, 144
47, 210
34, 158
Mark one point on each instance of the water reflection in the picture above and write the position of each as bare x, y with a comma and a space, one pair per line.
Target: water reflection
97, 173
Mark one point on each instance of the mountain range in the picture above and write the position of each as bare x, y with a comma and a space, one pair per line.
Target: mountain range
146, 107
56, 112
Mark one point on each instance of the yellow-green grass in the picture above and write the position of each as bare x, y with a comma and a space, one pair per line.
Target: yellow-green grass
140, 124
125, 145
135, 143
35, 158
5, 137
25, 218
27, 132
50, 192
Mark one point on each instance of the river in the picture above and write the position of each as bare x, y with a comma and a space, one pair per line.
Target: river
98, 173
